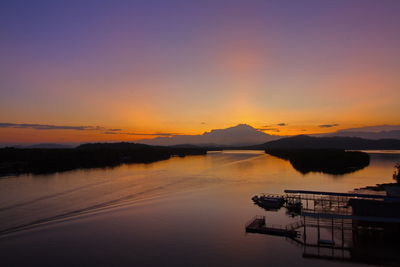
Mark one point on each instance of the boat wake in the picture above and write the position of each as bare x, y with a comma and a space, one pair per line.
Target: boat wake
144, 196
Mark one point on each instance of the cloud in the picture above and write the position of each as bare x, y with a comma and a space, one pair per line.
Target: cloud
110, 132
53, 127
278, 124
328, 125
78, 128
269, 129
150, 134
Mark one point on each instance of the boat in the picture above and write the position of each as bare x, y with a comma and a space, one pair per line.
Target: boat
269, 202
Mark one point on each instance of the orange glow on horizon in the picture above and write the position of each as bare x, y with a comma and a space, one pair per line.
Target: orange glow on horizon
17, 135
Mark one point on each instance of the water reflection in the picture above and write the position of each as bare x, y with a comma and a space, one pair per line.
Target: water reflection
184, 211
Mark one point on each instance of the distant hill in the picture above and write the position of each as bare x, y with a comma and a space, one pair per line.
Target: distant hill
240, 135
113, 146
369, 132
48, 145
40, 145
349, 143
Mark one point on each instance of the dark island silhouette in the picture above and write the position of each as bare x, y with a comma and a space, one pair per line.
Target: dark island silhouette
306, 153
330, 161
39, 161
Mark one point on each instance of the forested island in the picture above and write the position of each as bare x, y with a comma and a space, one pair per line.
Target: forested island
331, 161
40, 160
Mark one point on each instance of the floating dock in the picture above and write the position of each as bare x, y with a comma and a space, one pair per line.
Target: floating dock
259, 226
334, 225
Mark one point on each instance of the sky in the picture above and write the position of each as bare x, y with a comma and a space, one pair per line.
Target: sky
74, 71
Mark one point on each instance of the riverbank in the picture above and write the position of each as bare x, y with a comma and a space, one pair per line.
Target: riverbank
14, 161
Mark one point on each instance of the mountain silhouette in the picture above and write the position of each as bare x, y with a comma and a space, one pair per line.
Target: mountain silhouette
239, 135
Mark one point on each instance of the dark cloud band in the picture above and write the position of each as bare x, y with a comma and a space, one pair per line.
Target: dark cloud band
269, 129
54, 127
150, 134
77, 128
328, 125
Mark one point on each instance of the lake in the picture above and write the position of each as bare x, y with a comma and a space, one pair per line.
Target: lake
187, 211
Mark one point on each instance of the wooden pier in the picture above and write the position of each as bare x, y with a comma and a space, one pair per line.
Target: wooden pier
330, 227
259, 226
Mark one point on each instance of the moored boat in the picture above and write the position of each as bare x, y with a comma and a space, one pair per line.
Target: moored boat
269, 201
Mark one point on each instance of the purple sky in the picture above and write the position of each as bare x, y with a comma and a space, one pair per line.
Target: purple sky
190, 66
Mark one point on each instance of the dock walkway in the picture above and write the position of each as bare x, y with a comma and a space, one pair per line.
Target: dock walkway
258, 225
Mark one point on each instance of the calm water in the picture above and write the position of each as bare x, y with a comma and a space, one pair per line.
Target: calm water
181, 212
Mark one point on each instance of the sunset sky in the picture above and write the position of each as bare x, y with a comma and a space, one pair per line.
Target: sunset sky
74, 71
